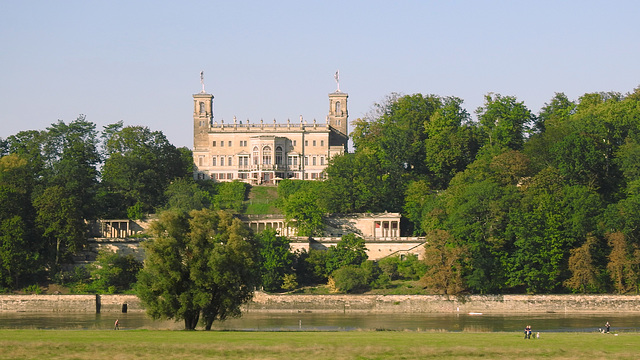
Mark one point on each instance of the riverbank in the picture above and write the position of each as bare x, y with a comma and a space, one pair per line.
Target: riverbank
263, 302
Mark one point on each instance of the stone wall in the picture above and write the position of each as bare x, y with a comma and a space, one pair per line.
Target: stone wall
69, 303
497, 304
444, 304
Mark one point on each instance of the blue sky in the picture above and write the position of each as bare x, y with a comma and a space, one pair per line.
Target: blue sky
140, 61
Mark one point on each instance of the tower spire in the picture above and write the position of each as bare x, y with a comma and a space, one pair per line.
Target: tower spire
202, 81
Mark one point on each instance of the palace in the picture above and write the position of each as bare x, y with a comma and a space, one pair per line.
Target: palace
264, 153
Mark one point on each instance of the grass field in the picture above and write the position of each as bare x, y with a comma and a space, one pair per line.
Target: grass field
158, 345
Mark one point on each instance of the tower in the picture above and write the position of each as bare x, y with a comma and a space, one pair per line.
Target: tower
202, 118
338, 113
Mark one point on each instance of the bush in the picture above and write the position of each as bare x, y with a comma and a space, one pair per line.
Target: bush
411, 268
350, 279
113, 273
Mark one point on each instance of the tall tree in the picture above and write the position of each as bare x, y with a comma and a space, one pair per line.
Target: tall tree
276, 259
200, 265
445, 261
505, 121
139, 166
585, 276
353, 184
350, 250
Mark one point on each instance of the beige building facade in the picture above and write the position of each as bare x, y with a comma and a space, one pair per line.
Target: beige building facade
266, 152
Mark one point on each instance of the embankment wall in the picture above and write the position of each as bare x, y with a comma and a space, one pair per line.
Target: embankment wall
262, 302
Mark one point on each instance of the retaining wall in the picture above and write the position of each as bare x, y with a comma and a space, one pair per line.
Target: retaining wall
262, 302
443, 304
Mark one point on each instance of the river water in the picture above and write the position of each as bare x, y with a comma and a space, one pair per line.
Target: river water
259, 321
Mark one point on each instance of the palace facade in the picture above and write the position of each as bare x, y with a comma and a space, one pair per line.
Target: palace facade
264, 153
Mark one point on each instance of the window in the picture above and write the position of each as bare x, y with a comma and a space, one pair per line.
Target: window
338, 108
306, 176
266, 155
229, 143
229, 160
295, 161
306, 160
200, 160
202, 109
278, 155
255, 155
294, 142
221, 160
230, 176
213, 144
321, 142
213, 161
221, 143
306, 143
314, 160
314, 176
243, 142
290, 160
321, 160
314, 143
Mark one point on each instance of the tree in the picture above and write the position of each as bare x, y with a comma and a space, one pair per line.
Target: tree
139, 166
504, 121
201, 264
17, 260
276, 259
451, 142
350, 250
584, 273
353, 184
60, 221
185, 195
624, 263
302, 210
445, 261
113, 273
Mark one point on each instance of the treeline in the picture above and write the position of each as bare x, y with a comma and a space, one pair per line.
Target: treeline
53, 180
510, 202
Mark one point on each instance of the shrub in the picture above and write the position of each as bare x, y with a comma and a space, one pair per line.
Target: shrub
350, 279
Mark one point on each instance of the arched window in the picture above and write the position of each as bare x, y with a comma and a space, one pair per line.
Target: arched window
229, 160
338, 108
202, 109
266, 155
213, 161
278, 155
255, 155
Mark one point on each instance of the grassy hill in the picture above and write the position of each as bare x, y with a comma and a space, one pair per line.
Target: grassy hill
261, 200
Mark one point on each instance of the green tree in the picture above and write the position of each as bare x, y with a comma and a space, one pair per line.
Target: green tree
203, 264
350, 250
17, 260
186, 195
353, 184
139, 166
113, 273
504, 121
451, 143
303, 212
276, 259
60, 221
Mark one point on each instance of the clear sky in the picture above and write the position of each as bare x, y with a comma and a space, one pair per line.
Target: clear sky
140, 61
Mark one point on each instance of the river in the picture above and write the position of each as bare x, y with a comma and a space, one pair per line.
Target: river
260, 321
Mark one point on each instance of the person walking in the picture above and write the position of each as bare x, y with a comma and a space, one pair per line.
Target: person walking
607, 327
116, 326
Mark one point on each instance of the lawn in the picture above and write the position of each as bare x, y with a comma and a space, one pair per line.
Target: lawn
158, 345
